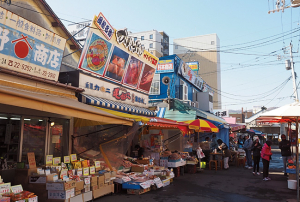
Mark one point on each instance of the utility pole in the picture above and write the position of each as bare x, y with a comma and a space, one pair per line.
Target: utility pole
293, 74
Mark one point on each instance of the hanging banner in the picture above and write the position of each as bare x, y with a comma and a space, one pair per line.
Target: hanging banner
28, 48
193, 65
165, 66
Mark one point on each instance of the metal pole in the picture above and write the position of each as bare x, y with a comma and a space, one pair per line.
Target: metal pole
297, 158
293, 74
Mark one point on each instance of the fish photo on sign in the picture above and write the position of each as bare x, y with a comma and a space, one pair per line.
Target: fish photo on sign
146, 79
133, 72
97, 54
117, 64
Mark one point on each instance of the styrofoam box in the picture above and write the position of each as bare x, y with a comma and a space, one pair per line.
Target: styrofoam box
88, 196
58, 194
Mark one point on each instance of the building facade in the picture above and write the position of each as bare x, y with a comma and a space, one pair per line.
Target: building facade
157, 43
205, 50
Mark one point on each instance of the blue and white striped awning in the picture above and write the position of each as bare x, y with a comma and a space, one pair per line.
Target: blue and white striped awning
101, 102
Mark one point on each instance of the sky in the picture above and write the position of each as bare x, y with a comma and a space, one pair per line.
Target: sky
252, 41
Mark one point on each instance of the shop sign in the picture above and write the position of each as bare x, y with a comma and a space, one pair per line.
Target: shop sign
190, 75
221, 113
151, 58
193, 65
165, 66
28, 48
103, 89
104, 26
119, 60
31, 160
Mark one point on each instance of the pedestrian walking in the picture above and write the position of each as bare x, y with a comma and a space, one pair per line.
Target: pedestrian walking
256, 148
226, 152
247, 148
266, 157
240, 142
285, 147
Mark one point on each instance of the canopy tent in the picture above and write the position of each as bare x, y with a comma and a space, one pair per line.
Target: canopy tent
291, 114
200, 125
162, 123
223, 133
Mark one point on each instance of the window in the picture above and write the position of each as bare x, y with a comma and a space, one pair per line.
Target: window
176, 47
151, 45
142, 38
151, 36
155, 86
135, 38
212, 43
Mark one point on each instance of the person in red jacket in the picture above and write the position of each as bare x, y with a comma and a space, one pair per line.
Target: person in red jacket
266, 156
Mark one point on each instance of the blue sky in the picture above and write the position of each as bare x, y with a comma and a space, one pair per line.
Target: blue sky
251, 40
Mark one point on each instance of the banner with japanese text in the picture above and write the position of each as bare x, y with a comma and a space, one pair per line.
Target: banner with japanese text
116, 57
28, 48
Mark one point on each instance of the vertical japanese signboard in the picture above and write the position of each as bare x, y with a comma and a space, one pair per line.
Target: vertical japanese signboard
115, 56
28, 48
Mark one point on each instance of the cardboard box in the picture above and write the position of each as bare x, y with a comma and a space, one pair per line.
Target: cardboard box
78, 192
138, 169
138, 191
58, 194
113, 174
95, 187
87, 188
103, 191
107, 177
42, 179
144, 162
52, 177
78, 198
101, 181
94, 181
88, 196
79, 186
61, 185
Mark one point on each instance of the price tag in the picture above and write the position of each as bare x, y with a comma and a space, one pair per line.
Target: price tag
66, 159
56, 160
86, 171
73, 157
145, 185
79, 172
87, 180
16, 189
126, 179
63, 173
158, 182
97, 164
92, 170
34, 199
31, 160
49, 159
4, 188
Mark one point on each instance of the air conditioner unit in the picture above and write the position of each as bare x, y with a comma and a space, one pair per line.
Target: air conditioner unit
195, 104
188, 102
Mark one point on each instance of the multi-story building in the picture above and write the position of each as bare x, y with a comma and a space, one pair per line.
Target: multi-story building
157, 43
205, 50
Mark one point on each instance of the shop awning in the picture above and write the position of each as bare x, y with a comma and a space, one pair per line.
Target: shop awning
125, 115
212, 117
202, 125
101, 102
58, 105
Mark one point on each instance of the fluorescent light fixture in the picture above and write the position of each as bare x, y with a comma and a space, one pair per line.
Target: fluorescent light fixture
27, 119
14, 118
41, 120
3, 117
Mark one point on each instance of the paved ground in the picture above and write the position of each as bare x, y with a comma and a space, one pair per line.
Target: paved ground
235, 184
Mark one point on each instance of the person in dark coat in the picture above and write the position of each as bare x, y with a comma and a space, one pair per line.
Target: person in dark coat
285, 146
226, 152
256, 148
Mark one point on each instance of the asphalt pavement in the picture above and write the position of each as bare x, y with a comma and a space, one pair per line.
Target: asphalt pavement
235, 184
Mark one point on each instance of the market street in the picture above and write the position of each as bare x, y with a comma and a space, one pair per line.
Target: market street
235, 184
